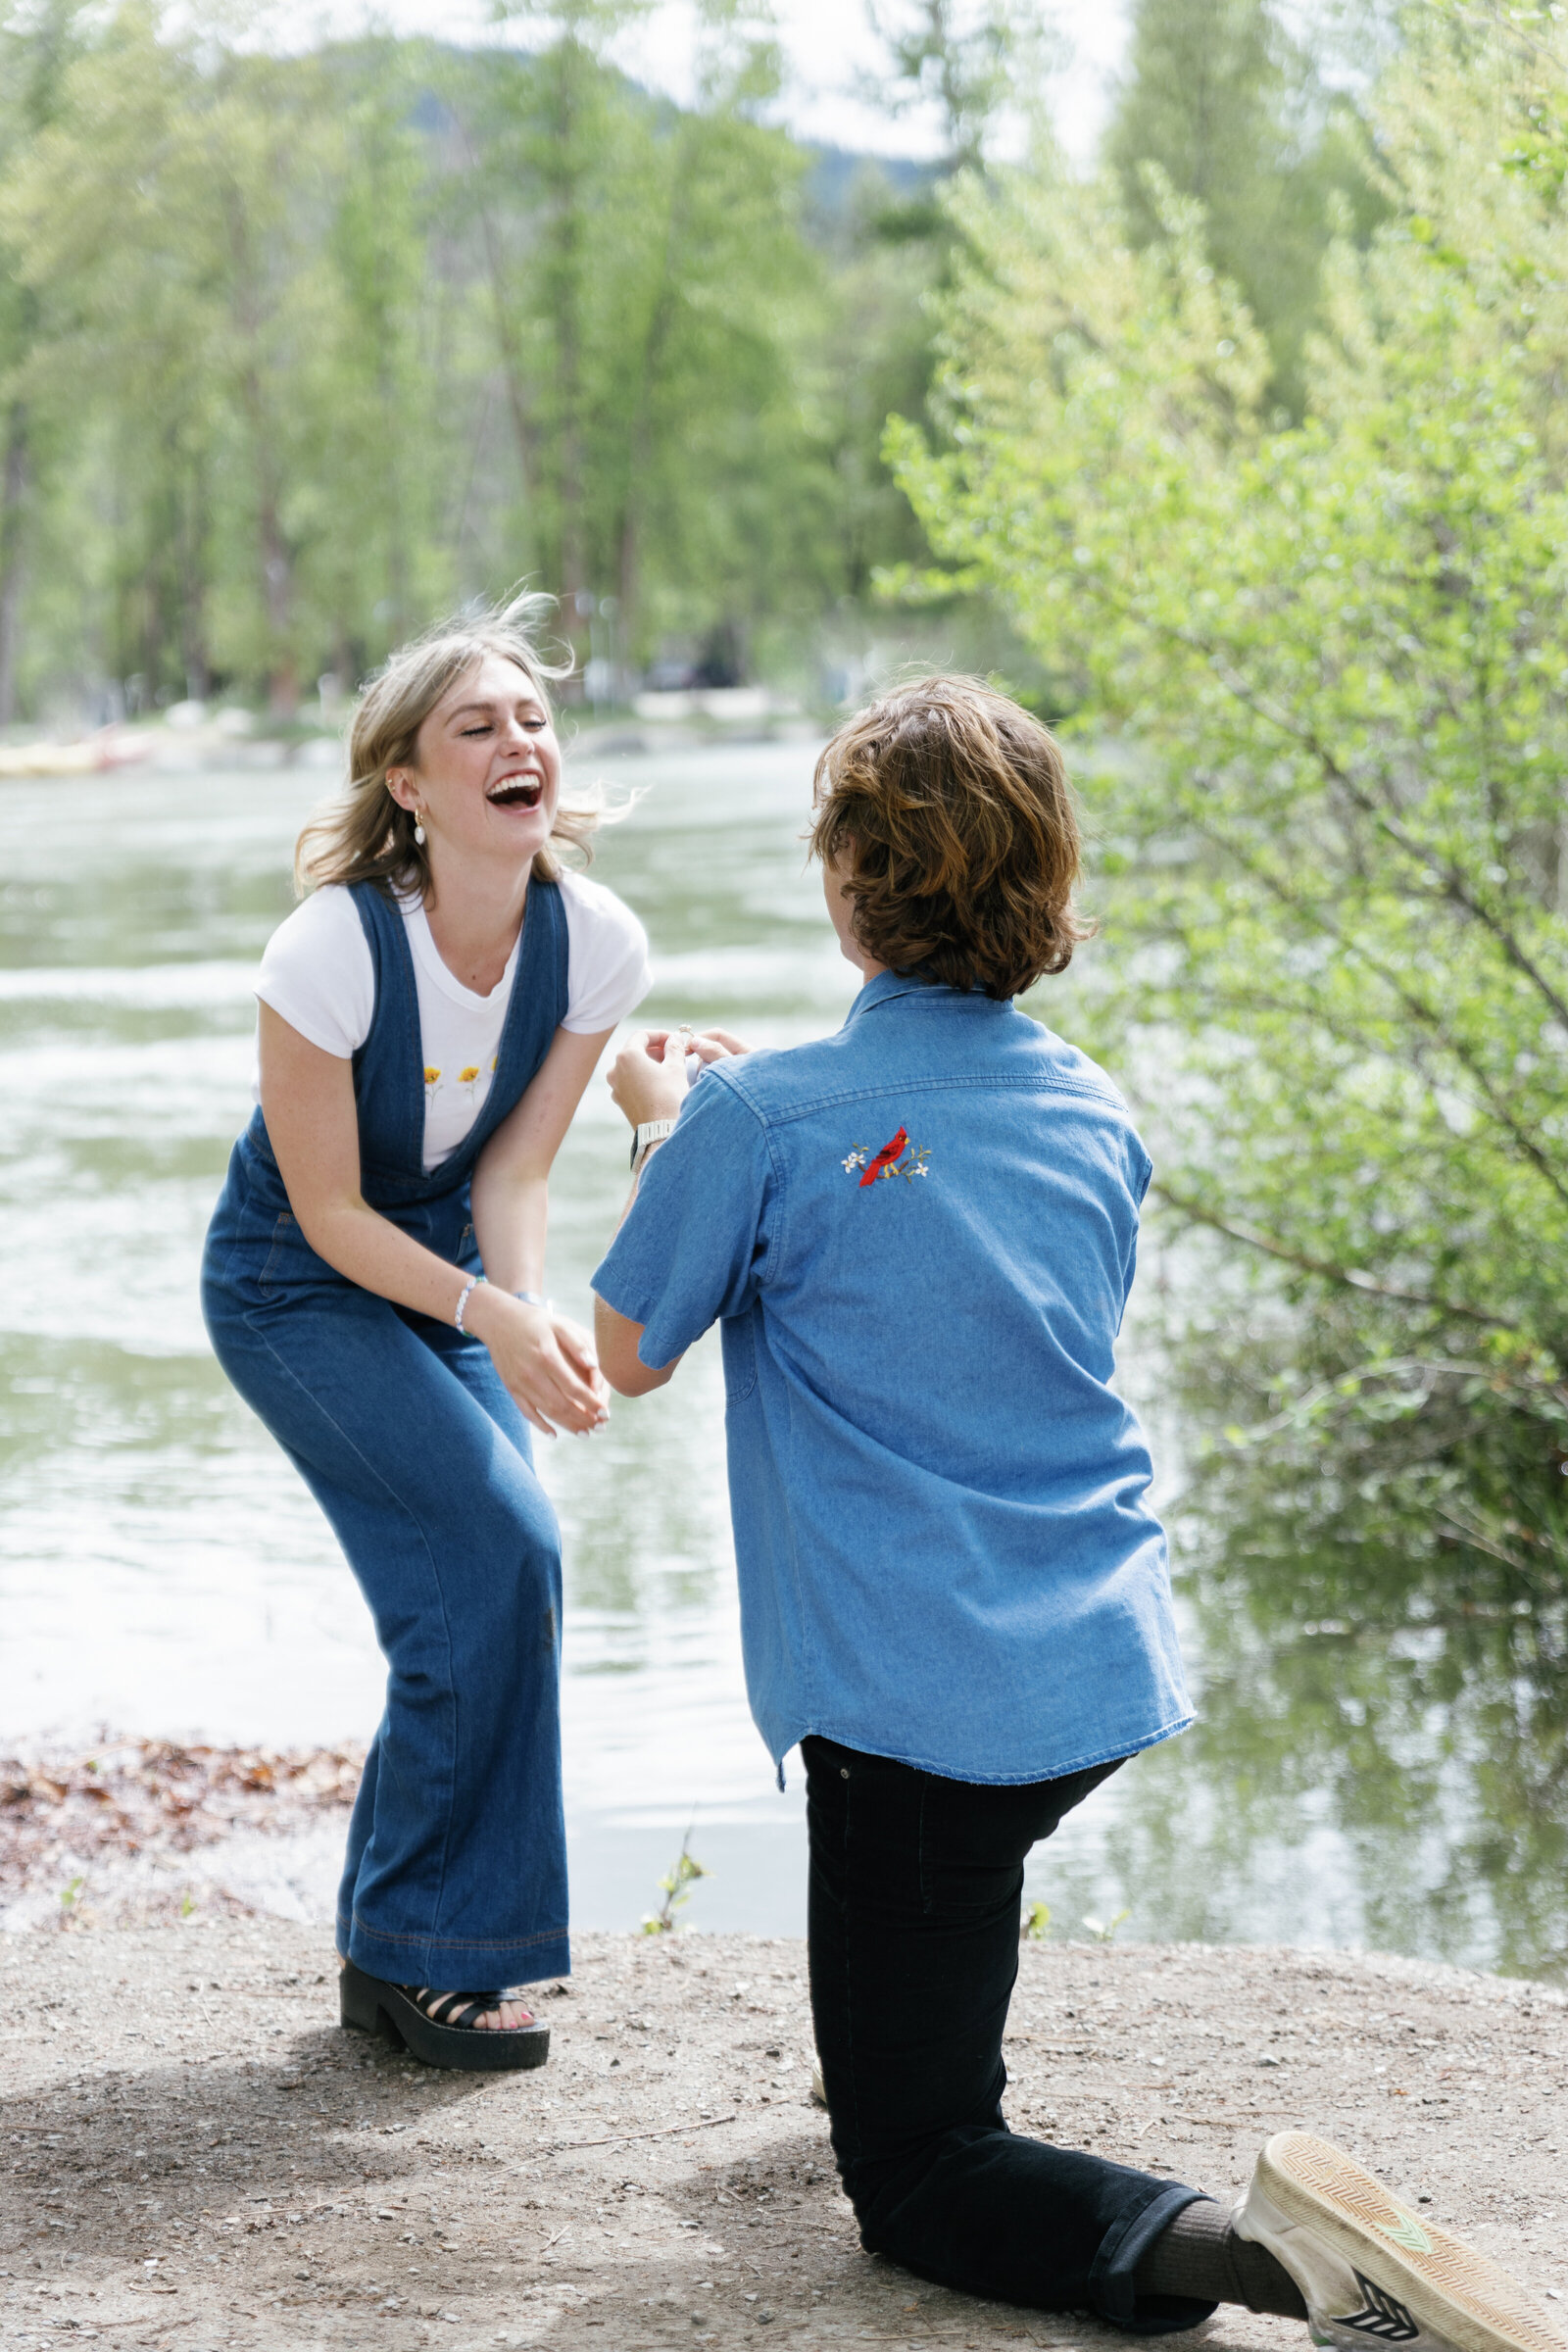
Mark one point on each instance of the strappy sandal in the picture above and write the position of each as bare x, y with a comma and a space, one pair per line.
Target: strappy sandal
438, 2028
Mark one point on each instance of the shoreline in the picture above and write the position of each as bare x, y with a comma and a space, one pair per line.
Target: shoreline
199, 2156
139, 1832
135, 1832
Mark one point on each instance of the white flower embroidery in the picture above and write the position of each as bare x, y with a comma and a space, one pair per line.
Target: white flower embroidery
919, 1169
857, 1160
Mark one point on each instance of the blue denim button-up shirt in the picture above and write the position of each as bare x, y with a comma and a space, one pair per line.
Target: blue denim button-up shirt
918, 1236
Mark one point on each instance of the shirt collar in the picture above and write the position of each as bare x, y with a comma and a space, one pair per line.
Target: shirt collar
888, 985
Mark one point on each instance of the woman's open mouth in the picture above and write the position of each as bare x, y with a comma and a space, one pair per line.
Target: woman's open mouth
515, 792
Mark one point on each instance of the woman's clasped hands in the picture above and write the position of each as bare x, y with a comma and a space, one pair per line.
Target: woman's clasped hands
546, 1361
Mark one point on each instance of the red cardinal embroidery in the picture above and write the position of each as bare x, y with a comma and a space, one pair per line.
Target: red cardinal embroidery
882, 1165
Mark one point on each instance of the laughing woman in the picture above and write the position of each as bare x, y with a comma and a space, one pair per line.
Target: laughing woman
429, 1018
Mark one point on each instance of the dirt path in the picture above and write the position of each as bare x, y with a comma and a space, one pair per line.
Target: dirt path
192, 2154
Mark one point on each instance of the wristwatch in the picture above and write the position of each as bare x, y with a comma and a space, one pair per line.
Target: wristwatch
653, 1131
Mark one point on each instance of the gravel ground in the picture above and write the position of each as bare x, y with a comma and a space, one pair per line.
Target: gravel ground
192, 2154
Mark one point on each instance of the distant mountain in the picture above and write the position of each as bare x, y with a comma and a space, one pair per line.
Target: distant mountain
830, 177
834, 171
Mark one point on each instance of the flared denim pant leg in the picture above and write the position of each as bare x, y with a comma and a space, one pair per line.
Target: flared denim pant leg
456, 1872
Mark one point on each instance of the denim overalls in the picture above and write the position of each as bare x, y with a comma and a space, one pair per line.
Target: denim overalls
455, 1873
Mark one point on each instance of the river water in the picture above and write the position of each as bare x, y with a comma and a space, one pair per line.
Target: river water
1375, 1777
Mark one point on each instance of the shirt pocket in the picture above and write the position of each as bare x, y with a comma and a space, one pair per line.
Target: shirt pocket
737, 1337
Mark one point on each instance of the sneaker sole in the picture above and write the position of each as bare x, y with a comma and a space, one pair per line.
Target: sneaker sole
1455, 2292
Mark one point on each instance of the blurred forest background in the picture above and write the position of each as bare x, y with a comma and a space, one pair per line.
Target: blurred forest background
1240, 453
296, 350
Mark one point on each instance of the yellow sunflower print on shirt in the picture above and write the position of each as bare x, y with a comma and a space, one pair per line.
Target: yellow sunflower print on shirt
469, 1078
432, 1084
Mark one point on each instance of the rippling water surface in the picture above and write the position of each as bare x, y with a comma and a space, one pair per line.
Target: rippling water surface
1381, 1775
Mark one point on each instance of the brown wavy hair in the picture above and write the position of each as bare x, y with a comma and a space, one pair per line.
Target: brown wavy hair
946, 810
364, 835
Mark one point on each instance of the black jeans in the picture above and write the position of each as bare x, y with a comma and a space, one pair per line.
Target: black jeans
915, 1904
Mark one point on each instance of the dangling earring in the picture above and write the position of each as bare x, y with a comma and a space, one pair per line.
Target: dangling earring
418, 832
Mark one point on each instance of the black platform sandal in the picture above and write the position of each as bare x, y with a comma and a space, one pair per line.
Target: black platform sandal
438, 2028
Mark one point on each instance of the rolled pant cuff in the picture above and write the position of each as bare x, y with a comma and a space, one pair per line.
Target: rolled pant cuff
449, 1965
1111, 2281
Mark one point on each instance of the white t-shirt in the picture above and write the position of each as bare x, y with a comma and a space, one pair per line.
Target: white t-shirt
317, 973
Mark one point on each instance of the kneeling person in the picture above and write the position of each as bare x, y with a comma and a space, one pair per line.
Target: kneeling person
918, 1238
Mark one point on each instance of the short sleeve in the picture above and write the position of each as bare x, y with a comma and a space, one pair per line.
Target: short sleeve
317, 973
607, 970
695, 1243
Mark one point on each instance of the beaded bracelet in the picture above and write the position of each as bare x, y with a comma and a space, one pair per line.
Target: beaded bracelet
464, 1295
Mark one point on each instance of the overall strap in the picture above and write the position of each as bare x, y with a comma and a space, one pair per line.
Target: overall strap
389, 1066
534, 1012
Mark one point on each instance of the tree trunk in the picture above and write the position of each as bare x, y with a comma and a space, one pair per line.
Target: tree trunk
277, 581
396, 539
566, 183
660, 322
507, 346
193, 585
276, 562
13, 506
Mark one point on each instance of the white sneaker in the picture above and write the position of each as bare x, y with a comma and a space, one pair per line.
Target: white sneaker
1371, 2271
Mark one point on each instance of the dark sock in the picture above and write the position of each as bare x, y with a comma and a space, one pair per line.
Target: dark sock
1199, 2254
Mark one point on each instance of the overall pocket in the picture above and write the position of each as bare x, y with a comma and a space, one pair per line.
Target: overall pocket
285, 1234
273, 1259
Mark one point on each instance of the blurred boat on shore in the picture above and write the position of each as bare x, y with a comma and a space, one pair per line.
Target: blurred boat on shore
92, 756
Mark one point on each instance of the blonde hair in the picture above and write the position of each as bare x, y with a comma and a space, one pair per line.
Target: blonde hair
364, 835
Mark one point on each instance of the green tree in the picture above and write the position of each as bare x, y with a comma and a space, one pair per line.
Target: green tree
1337, 657
330, 338
958, 63
35, 50
892, 251
396, 373
229, 247
648, 284
871, 358
548, 141
1232, 110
